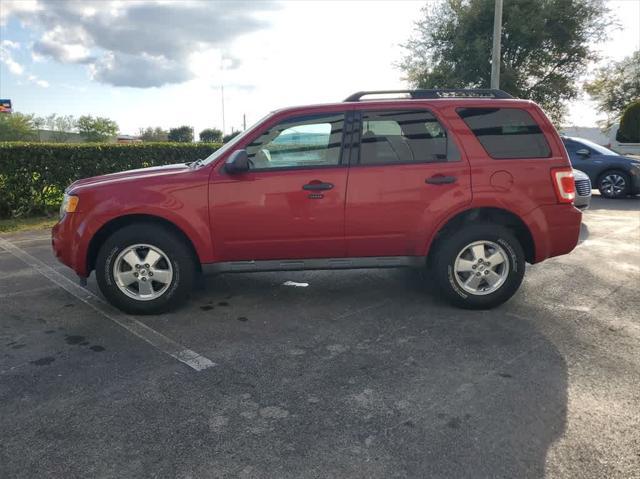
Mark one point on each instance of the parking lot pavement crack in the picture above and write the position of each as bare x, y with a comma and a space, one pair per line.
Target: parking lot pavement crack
164, 344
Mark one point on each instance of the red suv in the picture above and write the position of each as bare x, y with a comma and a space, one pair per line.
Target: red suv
470, 184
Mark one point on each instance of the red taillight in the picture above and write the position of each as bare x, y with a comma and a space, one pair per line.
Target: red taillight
563, 183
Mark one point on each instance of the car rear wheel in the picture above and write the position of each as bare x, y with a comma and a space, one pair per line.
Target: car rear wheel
145, 269
479, 267
614, 184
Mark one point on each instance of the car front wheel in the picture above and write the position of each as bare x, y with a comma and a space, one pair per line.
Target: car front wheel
145, 269
479, 266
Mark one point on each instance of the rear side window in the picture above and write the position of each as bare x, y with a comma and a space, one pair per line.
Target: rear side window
397, 137
506, 132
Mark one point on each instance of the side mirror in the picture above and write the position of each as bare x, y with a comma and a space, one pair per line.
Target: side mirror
238, 162
583, 152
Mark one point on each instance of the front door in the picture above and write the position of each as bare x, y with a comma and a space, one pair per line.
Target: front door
409, 174
290, 204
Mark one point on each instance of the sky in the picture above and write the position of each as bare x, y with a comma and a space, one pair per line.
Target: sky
163, 63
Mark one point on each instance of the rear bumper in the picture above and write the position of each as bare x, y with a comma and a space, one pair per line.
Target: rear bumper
555, 230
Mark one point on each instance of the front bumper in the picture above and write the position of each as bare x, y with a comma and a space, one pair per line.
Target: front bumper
635, 184
67, 244
582, 202
583, 193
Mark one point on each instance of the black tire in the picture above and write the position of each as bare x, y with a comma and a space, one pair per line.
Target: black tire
448, 249
179, 254
610, 193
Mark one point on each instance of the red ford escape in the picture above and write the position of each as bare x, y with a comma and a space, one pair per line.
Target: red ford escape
470, 184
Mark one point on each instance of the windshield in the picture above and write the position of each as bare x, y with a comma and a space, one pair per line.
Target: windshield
232, 143
594, 146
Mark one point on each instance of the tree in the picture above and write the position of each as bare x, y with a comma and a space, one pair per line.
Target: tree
615, 86
183, 134
17, 127
154, 134
38, 124
629, 131
230, 136
61, 126
211, 135
97, 129
546, 45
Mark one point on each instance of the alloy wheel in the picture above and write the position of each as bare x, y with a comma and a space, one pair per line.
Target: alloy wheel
143, 272
481, 267
613, 184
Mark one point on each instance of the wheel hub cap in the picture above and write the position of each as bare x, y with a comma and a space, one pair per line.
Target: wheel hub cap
481, 267
143, 272
613, 184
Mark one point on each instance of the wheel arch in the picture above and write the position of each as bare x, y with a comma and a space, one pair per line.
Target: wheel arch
610, 169
120, 222
494, 215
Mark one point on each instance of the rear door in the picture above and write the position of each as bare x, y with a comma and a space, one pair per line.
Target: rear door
407, 174
290, 204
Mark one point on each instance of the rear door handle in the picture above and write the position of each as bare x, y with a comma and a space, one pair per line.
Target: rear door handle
440, 180
317, 186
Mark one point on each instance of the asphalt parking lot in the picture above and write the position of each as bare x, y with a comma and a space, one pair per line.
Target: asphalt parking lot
359, 374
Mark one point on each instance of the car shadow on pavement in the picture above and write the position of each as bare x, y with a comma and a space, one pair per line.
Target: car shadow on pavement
410, 388
584, 233
359, 374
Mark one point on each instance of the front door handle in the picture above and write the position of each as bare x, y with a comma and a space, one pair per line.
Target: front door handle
440, 180
317, 186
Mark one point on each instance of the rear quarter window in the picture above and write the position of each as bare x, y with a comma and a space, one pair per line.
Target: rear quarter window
506, 133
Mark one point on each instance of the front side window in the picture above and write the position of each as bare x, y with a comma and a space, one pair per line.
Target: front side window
595, 148
310, 141
396, 137
506, 132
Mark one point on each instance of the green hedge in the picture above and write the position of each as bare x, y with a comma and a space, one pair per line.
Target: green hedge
33, 176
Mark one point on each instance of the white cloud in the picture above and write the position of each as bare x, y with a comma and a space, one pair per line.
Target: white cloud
38, 81
138, 44
65, 45
118, 70
17, 7
10, 44
16, 68
6, 58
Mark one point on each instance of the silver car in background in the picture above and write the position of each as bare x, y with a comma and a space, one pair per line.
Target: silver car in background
583, 190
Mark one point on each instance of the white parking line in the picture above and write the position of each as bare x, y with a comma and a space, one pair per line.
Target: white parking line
32, 239
28, 291
139, 329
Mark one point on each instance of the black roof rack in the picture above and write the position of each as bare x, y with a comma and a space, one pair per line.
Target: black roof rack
439, 93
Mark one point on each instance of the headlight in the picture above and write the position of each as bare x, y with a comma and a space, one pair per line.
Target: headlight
69, 204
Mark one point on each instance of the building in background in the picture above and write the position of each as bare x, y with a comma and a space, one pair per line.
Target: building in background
128, 139
587, 132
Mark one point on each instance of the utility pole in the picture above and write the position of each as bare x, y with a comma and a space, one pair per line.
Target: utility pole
222, 89
495, 56
244, 122
222, 92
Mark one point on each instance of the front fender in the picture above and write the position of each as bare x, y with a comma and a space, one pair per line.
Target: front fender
183, 204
